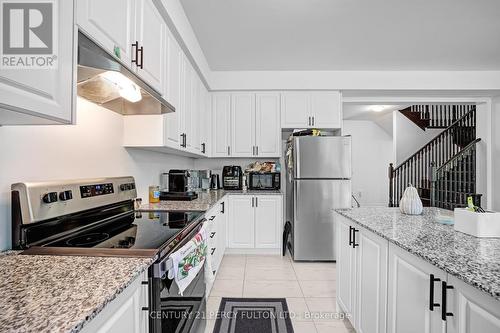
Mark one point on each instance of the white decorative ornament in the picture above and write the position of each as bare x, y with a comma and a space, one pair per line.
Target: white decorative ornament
410, 202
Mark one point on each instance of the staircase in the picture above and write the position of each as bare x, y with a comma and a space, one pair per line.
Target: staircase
443, 171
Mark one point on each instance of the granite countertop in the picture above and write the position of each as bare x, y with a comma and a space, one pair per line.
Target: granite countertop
205, 201
60, 293
473, 260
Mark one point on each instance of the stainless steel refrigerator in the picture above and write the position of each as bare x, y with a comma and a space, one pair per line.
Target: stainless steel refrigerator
320, 182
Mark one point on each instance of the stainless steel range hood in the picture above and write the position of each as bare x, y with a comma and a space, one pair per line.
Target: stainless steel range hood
104, 80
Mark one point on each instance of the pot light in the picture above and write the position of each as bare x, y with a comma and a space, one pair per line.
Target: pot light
126, 88
377, 108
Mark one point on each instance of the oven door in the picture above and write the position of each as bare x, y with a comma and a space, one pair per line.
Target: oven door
169, 311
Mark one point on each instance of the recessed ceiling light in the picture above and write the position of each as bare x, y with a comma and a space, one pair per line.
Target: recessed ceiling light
377, 108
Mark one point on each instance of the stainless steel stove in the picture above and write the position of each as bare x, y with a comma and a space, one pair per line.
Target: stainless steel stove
96, 217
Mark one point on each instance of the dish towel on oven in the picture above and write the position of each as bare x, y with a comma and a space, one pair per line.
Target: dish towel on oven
188, 260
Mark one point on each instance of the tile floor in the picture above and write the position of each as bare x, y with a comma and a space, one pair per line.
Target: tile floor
309, 289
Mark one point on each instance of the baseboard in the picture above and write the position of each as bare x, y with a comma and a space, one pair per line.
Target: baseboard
253, 251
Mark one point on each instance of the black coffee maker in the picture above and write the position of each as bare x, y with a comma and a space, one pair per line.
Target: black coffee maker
232, 177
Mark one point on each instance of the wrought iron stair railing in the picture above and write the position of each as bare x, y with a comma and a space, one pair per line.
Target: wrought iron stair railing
454, 181
417, 168
436, 115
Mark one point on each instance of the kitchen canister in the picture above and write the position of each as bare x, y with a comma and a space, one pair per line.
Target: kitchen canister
410, 203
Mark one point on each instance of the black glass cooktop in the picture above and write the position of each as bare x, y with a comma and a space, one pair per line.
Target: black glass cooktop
136, 230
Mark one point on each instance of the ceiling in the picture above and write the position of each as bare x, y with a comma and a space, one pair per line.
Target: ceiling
347, 34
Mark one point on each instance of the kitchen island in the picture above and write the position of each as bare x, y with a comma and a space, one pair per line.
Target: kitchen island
426, 276
60, 293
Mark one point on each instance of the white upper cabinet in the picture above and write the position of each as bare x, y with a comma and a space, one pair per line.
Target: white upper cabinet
318, 109
195, 112
173, 93
150, 32
221, 124
242, 124
186, 104
326, 109
296, 110
111, 23
205, 121
43, 96
267, 125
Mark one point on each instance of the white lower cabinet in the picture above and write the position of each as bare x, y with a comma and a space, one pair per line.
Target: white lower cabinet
411, 292
125, 313
255, 221
362, 276
216, 219
473, 311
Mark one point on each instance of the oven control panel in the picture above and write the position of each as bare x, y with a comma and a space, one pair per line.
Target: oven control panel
88, 191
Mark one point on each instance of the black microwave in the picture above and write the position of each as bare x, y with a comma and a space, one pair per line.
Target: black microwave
264, 181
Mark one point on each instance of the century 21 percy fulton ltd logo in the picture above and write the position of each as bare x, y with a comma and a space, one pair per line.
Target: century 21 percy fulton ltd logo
28, 34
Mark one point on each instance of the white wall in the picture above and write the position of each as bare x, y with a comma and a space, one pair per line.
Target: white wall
371, 154
495, 202
409, 138
92, 148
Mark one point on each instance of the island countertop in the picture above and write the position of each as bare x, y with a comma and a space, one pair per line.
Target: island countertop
473, 260
60, 293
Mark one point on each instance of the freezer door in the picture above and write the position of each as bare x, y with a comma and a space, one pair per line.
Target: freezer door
322, 157
313, 222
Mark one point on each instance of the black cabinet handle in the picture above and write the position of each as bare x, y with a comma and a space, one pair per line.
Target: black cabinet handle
136, 47
222, 204
253, 202
144, 282
350, 235
354, 231
313, 120
213, 251
212, 234
211, 218
444, 311
145, 308
203, 148
432, 280
141, 65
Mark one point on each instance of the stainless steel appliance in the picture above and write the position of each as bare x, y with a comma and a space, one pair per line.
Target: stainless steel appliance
264, 181
319, 181
96, 217
179, 186
232, 177
215, 182
103, 79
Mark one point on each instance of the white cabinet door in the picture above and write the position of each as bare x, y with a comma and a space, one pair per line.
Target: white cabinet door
187, 103
111, 23
268, 221
242, 124
205, 121
267, 125
44, 93
221, 124
296, 110
173, 120
195, 112
473, 311
326, 109
371, 282
150, 31
346, 267
241, 226
124, 314
409, 294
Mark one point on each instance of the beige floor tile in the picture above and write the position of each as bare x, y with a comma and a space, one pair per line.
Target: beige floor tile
265, 289
234, 260
303, 327
231, 272
268, 261
269, 273
213, 303
227, 288
318, 288
321, 304
315, 271
331, 327
298, 309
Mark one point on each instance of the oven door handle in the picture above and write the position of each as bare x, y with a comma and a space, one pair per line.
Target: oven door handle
161, 268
